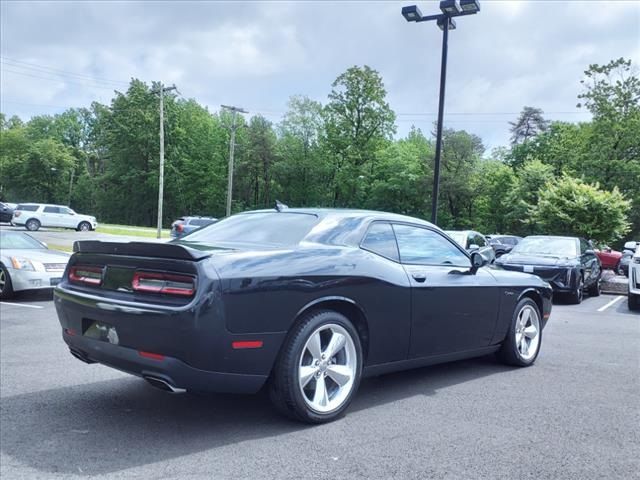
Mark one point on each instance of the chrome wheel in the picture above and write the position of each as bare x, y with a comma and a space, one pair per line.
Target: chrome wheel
3, 280
85, 227
327, 368
527, 332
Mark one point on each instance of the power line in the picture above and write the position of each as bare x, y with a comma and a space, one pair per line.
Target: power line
57, 71
57, 79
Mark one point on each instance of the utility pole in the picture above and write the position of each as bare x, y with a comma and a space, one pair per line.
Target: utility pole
234, 111
161, 181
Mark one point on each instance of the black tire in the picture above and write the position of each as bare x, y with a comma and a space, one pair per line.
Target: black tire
594, 290
510, 352
576, 296
84, 227
6, 288
32, 225
633, 302
284, 387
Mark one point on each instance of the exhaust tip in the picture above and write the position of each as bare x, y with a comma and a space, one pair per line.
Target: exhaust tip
163, 384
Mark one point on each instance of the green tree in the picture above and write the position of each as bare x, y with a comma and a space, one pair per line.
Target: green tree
529, 124
569, 206
358, 122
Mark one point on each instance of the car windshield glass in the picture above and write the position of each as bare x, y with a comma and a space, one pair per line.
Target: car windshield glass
18, 241
459, 237
560, 247
268, 229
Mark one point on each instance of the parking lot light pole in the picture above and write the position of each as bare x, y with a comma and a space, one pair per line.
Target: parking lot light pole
444, 20
234, 111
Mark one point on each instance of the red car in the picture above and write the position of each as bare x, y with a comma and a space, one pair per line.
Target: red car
608, 257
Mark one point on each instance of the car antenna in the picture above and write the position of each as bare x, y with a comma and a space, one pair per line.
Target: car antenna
280, 206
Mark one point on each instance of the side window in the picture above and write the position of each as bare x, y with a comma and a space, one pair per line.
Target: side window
479, 240
66, 211
51, 210
421, 246
381, 240
27, 208
584, 246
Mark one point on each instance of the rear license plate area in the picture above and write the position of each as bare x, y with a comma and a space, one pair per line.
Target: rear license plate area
100, 331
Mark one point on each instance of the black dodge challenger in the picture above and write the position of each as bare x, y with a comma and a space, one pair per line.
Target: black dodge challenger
305, 301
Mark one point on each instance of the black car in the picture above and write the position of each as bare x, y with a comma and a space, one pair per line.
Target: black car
307, 301
503, 243
569, 264
6, 213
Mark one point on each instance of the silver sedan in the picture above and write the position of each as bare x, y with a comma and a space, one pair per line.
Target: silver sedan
26, 263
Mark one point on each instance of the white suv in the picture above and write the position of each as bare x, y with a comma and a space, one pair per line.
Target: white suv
634, 281
36, 215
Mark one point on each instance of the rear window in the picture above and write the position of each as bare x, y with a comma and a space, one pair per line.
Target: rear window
28, 208
268, 229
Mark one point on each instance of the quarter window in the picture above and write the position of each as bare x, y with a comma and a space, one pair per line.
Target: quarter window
421, 246
51, 210
381, 240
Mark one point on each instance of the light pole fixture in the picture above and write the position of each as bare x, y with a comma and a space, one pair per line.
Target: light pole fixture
444, 20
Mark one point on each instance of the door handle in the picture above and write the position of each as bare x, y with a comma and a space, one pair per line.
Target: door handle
419, 277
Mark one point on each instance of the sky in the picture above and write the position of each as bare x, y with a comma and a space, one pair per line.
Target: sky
56, 55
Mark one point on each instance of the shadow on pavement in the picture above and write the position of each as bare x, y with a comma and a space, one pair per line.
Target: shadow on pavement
109, 426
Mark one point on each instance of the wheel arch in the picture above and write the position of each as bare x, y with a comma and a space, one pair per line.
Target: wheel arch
534, 295
345, 306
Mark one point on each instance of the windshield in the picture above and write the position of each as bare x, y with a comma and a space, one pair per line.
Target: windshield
459, 237
267, 229
13, 240
551, 246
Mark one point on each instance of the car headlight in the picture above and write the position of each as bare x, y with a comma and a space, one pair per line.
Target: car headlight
20, 263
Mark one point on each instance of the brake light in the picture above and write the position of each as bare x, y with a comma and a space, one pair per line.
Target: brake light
179, 227
169, 283
87, 275
151, 355
17, 213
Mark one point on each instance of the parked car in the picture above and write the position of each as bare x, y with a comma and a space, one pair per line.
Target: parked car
36, 215
185, 225
6, 212
627, 257
609, 258
569, 264
473, 241
307, 301
634, 281
502, 244
26, 263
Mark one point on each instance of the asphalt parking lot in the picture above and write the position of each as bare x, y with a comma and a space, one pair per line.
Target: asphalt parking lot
575, 414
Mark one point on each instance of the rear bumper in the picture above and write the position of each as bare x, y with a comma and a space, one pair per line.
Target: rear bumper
173, 371
191, 346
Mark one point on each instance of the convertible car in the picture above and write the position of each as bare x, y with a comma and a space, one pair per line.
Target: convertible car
303, 301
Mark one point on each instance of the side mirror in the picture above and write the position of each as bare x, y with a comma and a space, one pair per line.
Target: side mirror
473, 247
477, 261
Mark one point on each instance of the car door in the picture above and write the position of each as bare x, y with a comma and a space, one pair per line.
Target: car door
50, 217
68, 218
452, 310
589, 262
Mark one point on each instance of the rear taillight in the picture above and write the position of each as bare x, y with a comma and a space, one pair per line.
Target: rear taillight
179, 227
86, 275
16, 214
168, 283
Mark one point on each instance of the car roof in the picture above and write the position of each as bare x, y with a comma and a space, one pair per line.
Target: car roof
552, 236
323, 213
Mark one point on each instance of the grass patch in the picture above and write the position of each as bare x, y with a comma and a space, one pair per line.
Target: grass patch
61, 248
147, 232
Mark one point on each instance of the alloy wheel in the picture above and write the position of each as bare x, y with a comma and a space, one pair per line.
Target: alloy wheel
527, 332
3, 280
327, 368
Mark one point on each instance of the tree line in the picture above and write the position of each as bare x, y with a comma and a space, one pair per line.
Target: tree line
554, 177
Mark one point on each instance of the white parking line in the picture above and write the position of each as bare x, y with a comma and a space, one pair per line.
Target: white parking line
20, 305
617, 299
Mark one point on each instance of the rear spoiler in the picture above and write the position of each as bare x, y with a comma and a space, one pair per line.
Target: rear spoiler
140, 249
